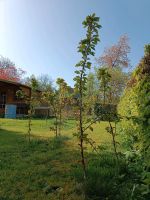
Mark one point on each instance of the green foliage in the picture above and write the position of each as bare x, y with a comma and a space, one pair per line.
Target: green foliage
135, 125
112, 82
135, 104
104, 79
105, 179
86, 48
62, 95
51, 98
57, 99
107, 112
90, 94
147, 49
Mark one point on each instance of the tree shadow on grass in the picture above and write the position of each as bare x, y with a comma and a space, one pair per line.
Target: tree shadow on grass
10, 140
32, 169
13, 140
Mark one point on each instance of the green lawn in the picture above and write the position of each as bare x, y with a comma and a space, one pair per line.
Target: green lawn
43, 169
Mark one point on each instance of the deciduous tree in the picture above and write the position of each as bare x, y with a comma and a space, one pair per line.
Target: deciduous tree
116, 55
8, 70
114, 60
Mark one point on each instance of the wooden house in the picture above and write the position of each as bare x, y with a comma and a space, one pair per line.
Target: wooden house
8, 96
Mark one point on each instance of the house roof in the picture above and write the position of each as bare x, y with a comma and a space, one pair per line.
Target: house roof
14, 83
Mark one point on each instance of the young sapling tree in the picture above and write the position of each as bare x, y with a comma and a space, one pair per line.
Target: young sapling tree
51, 98
32, 101
107, 111
86, 48
61, 92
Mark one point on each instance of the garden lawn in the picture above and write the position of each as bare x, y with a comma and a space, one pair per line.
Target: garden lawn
43, 169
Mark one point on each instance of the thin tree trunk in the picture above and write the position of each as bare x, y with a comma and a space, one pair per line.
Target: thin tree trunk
29, 124
56, 126
81, 130
29, 129
60, 120
81, 143
113, 139
104, 95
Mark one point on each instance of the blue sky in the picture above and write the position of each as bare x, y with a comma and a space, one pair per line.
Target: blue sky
41, 36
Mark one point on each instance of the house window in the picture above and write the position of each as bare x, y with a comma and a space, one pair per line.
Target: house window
2, 99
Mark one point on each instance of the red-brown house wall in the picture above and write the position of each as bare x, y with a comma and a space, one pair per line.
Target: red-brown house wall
10, 91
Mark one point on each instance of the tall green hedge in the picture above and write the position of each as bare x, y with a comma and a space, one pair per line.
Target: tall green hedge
134, 126
134, 107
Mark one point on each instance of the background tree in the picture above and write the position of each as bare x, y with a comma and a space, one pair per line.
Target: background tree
91, 93
116, 55
115, 59
86, 48
8, 70
45, 82
112, 81
104, 79
104, 109
114, 86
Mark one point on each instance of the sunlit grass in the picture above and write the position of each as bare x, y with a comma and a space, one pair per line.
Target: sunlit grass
41, 128
29, 171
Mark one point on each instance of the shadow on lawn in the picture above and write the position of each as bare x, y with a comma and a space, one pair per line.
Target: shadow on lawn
17, 141
46, 163
10, 140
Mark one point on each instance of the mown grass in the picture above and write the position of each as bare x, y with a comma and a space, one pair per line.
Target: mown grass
48, 168
40, 128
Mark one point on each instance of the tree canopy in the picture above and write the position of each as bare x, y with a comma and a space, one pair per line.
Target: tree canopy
9, 71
